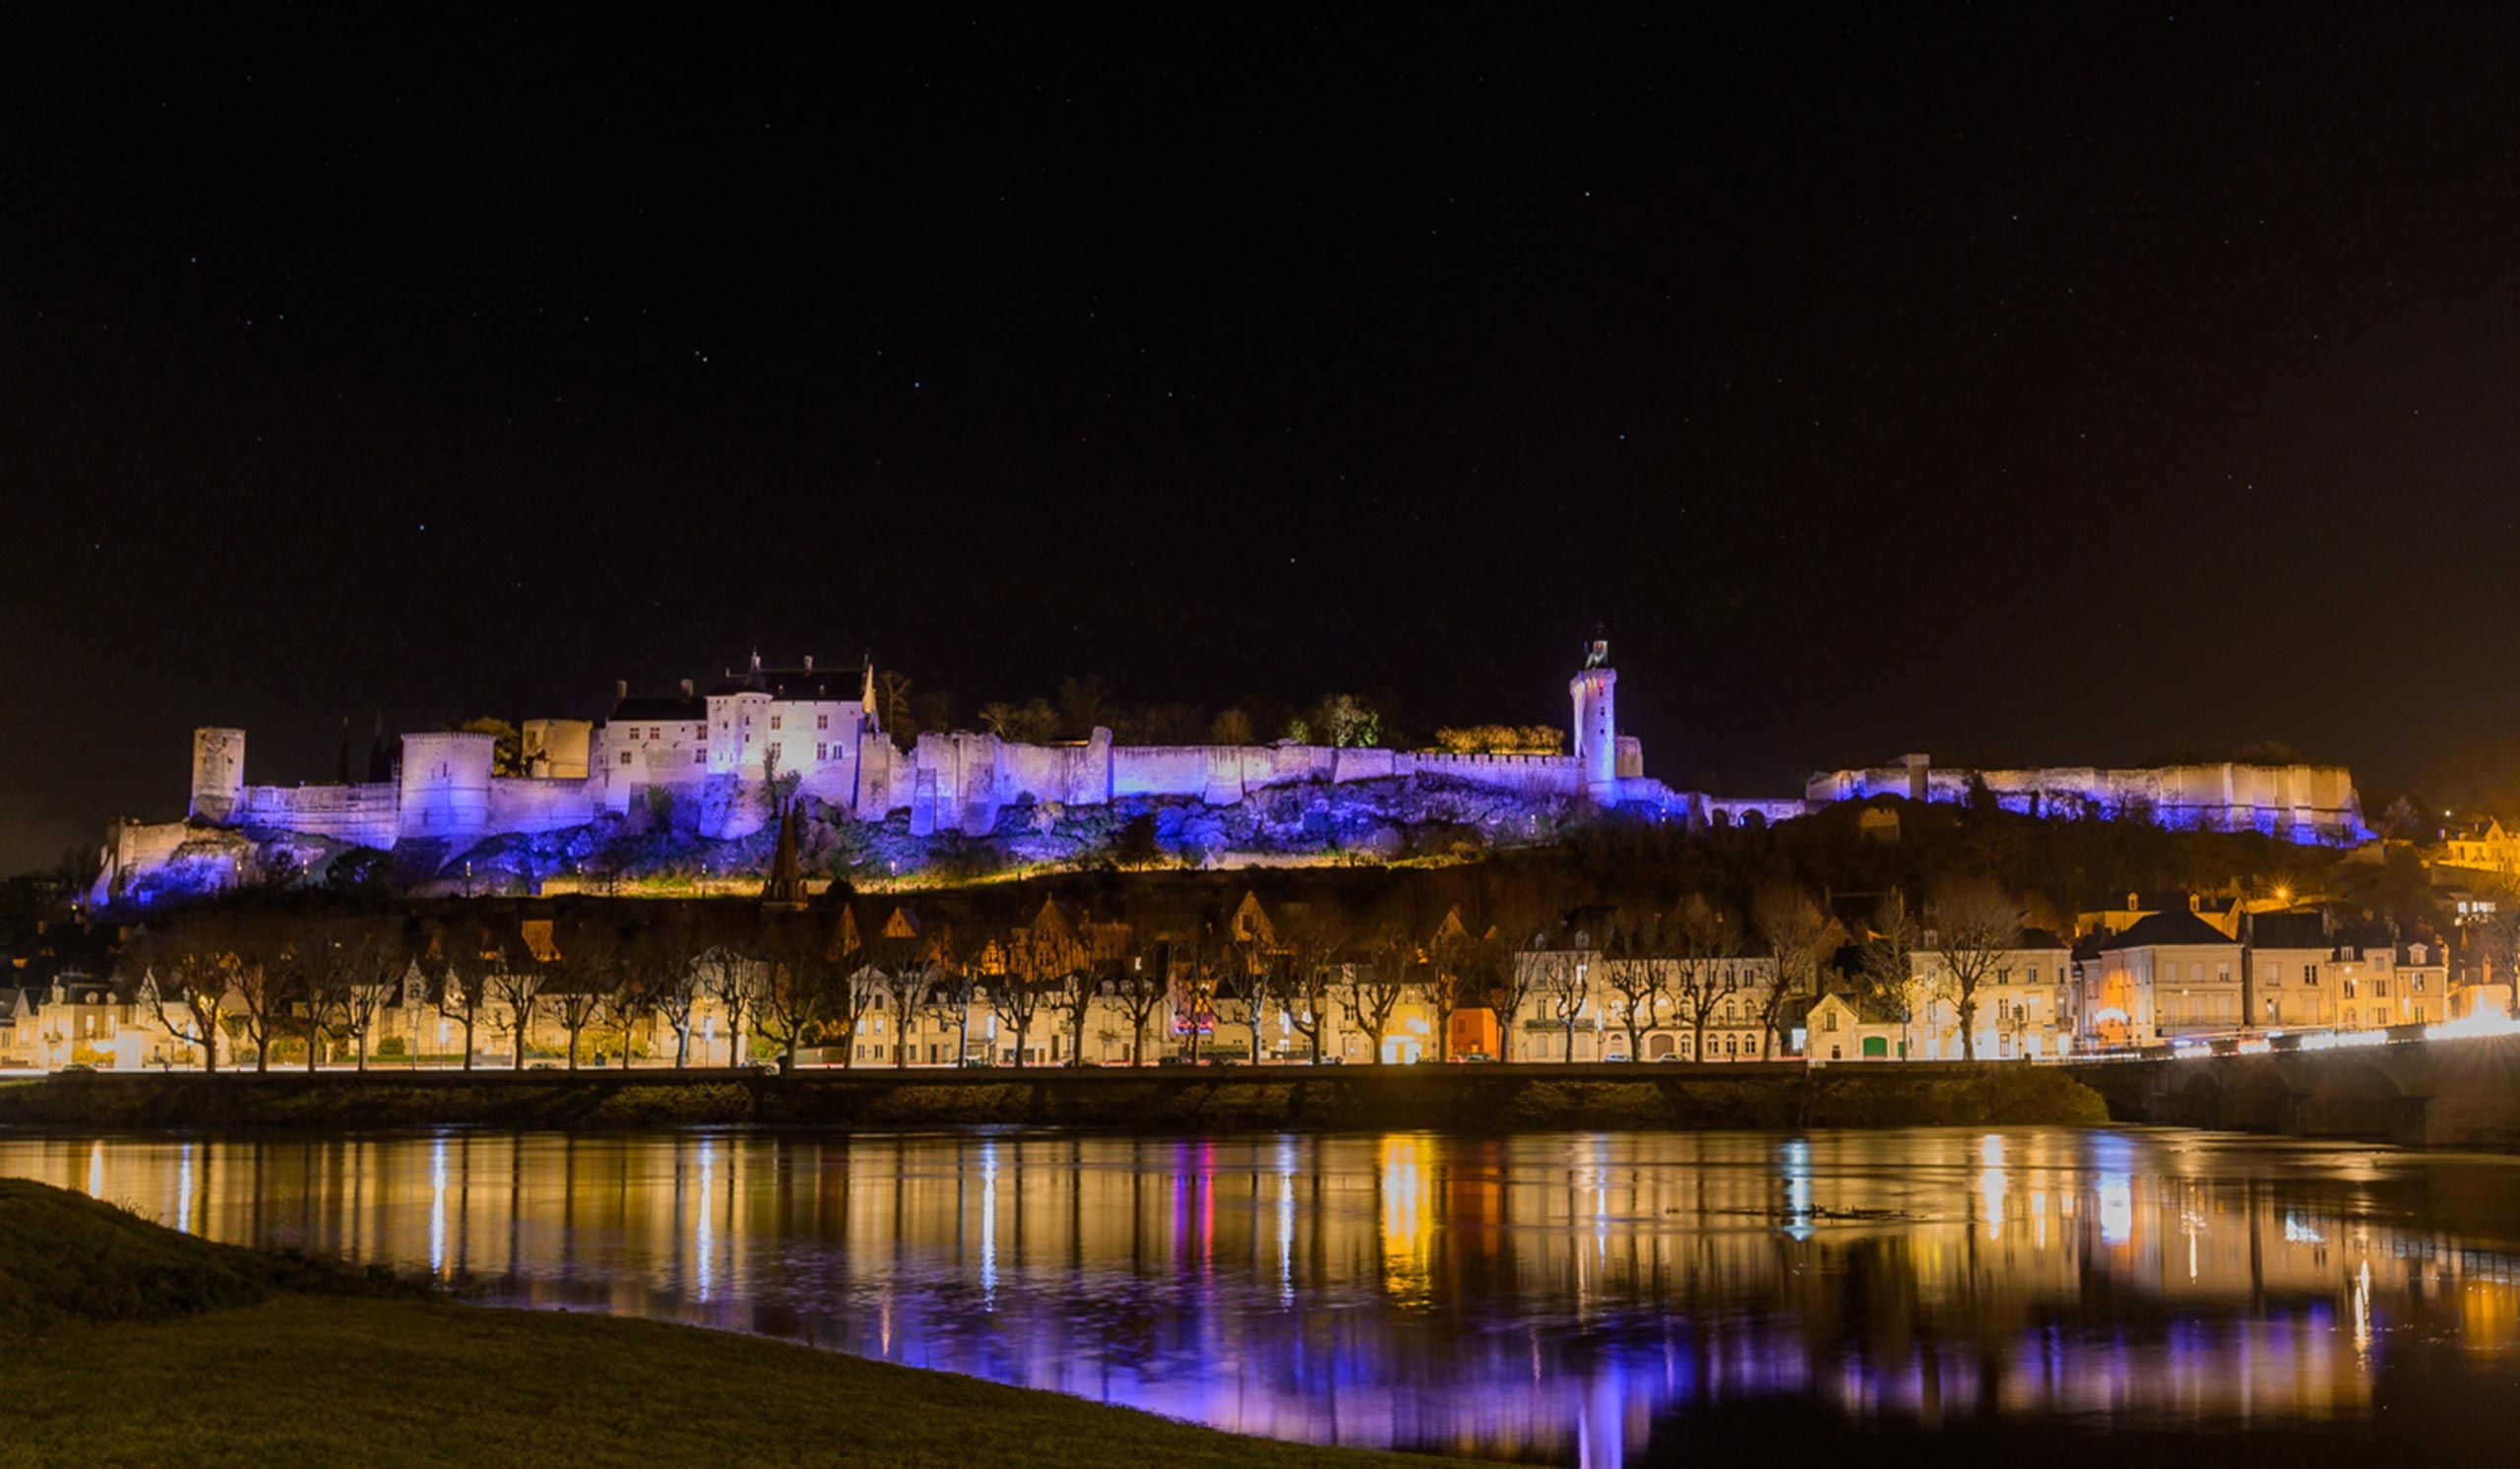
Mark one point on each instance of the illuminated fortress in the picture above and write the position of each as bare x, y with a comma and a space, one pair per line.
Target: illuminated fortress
814, 732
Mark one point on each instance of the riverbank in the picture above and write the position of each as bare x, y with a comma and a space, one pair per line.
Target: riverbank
133, 1344
1465, 1099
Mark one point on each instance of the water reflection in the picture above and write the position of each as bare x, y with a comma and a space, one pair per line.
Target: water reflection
1572, 1297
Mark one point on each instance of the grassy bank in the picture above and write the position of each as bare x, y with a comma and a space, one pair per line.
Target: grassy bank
1449, 1098
131, 1344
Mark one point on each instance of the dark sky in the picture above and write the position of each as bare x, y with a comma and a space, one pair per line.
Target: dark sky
1980, 382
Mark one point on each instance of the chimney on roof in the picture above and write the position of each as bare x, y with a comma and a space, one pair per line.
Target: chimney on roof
809, 663
620, 689
686, 689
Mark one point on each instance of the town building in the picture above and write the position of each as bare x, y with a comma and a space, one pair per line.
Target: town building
2168, 975
2290, 962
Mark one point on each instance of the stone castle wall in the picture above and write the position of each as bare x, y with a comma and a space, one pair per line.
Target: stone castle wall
365, 815
2297, 802
963, 782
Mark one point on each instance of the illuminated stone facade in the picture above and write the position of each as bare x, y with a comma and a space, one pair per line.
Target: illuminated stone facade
2297, 802
703, 762
707, 759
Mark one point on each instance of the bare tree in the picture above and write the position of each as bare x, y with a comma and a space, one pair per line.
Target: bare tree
1560, 978
1034, 959
1258, 972
1798, 935
892, 707
951, 989
1970, 924
336, 960
192, 970
664, 960
852, 987
799, 975
1495, 980
1315, 940
374, 957
588, 969
265, 985
1385, 968
516, 985
1141, 989
730, 977
1062, 971
470, 957
897, 968
1453, 963
1703, 940
1635, 971
1888, 960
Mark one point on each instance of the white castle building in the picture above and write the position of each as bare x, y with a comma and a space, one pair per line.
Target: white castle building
818, 726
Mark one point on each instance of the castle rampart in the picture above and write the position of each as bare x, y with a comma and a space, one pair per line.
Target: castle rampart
2296, 801
709, 757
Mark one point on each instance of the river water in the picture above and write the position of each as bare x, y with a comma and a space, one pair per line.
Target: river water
1593, 1298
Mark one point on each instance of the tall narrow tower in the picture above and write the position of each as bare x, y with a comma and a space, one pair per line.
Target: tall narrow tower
1596, 743
218, 773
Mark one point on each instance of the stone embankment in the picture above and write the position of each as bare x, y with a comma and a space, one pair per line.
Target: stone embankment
1466, 1098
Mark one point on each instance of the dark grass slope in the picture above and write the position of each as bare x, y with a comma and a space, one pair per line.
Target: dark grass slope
131, 1344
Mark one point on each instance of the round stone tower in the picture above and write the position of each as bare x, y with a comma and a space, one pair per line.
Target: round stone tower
218, 773
1596, 743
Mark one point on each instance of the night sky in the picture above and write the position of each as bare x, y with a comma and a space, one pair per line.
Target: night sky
1984, 383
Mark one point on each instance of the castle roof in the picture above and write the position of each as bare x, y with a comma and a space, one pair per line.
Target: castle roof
843, 684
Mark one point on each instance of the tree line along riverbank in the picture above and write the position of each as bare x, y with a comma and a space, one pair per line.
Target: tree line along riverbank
1454, 1099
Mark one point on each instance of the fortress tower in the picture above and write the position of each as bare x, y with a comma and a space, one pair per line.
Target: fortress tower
446, 787
1596, 743
218, 773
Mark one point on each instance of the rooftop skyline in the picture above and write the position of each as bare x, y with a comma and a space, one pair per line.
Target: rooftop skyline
2014, 388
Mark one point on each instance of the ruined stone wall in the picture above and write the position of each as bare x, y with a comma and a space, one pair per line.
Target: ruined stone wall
2297, 802
531, 805
133, 848
368, 816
